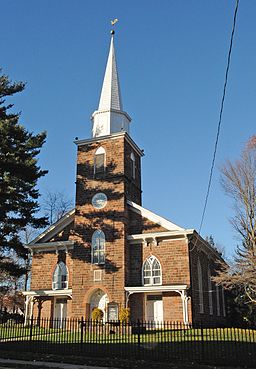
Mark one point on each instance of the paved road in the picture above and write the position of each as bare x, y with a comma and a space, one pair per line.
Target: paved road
45, 365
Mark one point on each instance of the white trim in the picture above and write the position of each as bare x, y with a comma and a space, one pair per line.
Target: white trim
58, 245
100, 150
210, 291
92, 246
62, 270
55, 228
200, 286
151, 260
184, 299
113, 136
35, 293
140, 289
223, 302
154, 217
133, 172
218, 299
148, 237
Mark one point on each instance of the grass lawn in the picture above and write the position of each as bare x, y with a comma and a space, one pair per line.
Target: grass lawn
105, 335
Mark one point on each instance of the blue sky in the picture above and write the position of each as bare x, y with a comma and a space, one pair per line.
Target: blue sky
171, 58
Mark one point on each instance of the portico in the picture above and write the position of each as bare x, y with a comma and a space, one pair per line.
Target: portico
153, 301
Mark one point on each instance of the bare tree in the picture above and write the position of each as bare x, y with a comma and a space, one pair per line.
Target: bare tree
239, 182
55, 205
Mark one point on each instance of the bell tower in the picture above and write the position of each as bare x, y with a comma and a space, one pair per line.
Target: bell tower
108, 175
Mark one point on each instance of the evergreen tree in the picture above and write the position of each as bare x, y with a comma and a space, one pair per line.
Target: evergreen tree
19, 173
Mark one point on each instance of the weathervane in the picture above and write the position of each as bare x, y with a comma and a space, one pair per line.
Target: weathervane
113, 22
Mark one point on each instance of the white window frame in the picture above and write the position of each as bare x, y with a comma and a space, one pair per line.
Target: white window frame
218, 300
133, 164
98, 237
100, 151
60, 271
210, 292
200, 287
223, 301
150, 261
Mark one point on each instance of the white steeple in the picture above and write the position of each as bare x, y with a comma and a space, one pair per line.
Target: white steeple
110, 117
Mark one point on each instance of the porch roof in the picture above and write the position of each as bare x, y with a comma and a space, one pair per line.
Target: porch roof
169, 288
45, 293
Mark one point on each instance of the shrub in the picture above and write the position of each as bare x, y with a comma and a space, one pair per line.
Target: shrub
97, 314
124, 315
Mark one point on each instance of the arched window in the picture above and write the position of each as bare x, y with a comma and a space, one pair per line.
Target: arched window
60, 277
223, 301
210, 291
98, 247
132, 157
218, 299
151, 273
200, 287
99, 160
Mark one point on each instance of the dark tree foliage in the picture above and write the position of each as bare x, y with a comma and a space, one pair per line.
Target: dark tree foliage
19, 174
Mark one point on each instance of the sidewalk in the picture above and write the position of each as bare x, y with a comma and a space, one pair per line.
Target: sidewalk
116, 364
40, 364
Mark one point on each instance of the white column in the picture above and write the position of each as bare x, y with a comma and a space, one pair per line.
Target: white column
31, 307
184, 299
26, 309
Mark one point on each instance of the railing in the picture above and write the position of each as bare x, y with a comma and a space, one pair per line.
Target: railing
163, 341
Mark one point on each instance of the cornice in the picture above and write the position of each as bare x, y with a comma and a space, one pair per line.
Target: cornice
55, 228
113, 136
51, 246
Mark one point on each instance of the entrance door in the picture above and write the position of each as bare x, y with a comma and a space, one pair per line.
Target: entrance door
100, 300
60, 312
154, 308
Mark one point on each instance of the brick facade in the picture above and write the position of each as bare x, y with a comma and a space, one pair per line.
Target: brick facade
115, 253
172, 246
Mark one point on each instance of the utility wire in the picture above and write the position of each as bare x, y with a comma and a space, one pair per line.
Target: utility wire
220, 117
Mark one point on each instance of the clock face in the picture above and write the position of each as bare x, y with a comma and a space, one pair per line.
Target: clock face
99, 200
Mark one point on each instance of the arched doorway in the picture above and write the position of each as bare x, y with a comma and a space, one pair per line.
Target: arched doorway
100, 300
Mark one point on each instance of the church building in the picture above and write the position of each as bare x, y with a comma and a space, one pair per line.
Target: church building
110, 252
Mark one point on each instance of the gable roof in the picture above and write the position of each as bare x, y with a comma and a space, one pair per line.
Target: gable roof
55, 228
68, 218
154, 217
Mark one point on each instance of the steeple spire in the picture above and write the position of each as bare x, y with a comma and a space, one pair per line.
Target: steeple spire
110, 117
110, 97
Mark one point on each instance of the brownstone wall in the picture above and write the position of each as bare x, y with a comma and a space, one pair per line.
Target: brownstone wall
138, 224
207, 259
173, 257
47, 309
136, 304
172, 306
112, 220
133, 185
43, 266
64, 234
